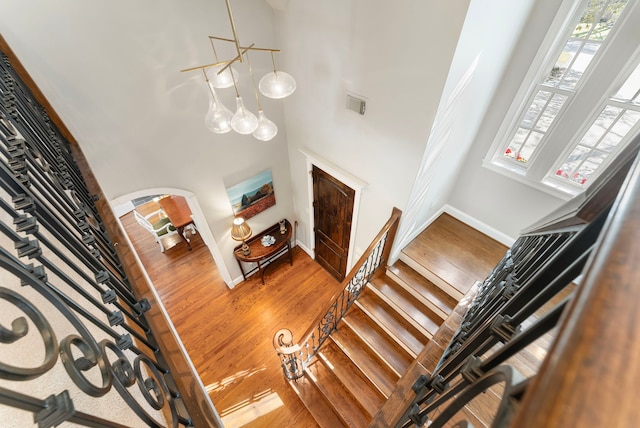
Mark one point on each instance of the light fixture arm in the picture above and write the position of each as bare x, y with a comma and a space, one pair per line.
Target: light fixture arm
253, 48
237, 58
228, 63
253, 82
233, 29
215, 54
202, 67
206, 79
234, 84
221, 74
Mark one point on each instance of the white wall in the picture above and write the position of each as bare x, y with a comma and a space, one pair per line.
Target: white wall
112, 72
479, 62
396, 55
503, 203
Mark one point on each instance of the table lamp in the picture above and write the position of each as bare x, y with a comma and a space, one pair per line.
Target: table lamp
241, 231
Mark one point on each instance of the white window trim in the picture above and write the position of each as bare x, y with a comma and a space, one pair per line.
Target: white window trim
538, 70
538, 174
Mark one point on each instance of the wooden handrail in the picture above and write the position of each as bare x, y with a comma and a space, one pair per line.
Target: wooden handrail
583, 208
390, 226
291, 353
590, 376
193, 395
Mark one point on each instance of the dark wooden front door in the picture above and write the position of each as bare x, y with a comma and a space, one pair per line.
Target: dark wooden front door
332, 212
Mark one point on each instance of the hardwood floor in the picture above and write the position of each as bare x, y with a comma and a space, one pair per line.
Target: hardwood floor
228, 332
453, 255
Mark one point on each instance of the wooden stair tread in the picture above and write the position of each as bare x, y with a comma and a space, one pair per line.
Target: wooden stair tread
423, 317
343, 402
479, 410
463, 414
394, 319
369, 397
426, 291
485, 406
383, 376
455, 252
394, 322
397, 357
316, 403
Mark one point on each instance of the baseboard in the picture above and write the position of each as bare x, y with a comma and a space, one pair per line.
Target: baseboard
235, 281
503, 238
305, 249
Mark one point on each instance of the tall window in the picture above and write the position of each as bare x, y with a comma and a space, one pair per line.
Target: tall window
616, 124
575, 122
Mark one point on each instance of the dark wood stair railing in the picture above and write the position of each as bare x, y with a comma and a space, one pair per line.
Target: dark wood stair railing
530, 304
590, 377
296, 356
69, 269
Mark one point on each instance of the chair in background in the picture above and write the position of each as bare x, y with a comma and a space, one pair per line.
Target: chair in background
177, 209
158, 224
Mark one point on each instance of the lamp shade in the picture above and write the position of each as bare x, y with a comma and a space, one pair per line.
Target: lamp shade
240, 229
218, 117
266, 129
243, 121
277, 84
224, 79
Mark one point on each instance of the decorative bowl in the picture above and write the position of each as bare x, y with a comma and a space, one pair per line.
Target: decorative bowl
268, 240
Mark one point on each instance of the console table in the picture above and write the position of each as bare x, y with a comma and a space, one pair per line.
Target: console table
264, 256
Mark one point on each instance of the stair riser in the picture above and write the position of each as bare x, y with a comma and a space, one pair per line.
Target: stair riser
388, 331
316, 403
363, 391
389, 375
428, 303
347, 418
371, 349
444, 286
398, 309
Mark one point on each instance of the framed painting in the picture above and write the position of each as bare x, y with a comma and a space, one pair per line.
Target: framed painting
253, 195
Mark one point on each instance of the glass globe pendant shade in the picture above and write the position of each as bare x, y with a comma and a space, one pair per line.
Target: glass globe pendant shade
277, 84
243, 121
218, 118
224, 79
266, 129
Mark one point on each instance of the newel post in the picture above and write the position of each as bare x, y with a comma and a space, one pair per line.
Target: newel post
394, 221
290, 354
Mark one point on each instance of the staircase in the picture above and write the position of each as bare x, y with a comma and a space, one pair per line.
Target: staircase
394, 318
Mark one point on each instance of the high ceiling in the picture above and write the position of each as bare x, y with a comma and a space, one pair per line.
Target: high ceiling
112, 69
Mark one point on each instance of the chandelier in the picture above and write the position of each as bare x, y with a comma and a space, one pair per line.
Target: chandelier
221, 74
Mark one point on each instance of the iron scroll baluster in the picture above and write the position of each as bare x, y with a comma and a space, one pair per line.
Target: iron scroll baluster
293, 362
516, 311
67, 309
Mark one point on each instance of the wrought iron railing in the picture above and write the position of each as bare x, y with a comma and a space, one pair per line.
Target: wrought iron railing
74, 342
515, 314
514, 291
295, 357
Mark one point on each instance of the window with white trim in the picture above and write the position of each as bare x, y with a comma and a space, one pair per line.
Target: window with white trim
584, 108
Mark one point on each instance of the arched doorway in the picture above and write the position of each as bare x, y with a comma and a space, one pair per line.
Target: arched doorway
123, 204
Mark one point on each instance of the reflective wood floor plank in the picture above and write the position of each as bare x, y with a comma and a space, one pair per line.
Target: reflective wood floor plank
228, 332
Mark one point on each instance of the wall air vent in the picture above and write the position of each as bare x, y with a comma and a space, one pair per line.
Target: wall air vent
356, 104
